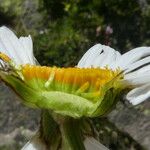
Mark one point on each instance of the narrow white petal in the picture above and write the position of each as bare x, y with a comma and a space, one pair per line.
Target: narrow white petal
99, 56
132, 56
28, 47
139, 72
138, 95
138, 80
86, 60
8, 44
140, 63
106, 58
91, 144
15, 48
34, 144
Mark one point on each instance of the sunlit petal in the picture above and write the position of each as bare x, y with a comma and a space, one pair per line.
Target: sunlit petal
139, 94
20, 51
99, 56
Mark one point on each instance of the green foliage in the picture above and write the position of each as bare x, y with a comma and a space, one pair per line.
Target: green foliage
145, 26
69, 35
125, 17
6, 18
64, 29
61, 47
74, 26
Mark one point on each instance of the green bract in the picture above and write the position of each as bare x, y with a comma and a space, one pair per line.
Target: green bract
62, 102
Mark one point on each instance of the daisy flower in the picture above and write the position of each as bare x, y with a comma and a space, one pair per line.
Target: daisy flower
135, 67
90, 89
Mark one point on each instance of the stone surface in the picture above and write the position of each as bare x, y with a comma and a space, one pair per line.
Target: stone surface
17, 122
135, 121
13, 114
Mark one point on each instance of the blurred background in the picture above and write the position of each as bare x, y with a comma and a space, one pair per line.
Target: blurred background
62, 31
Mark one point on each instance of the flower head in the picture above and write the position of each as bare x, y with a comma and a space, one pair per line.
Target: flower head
90, 89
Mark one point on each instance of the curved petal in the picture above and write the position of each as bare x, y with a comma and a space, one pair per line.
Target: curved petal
93, 52
138, 72
99, 56
138, 80
20, 51
138, 95
135, 55
138, 64
28, 47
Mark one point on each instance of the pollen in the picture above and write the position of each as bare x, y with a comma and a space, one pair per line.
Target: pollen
85, 79
4, 57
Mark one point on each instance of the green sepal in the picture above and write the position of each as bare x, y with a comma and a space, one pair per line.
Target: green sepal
109, 97
60, 102
28, 95
64, 103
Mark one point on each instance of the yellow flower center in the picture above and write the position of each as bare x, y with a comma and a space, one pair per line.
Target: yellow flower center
82, 78
84, 82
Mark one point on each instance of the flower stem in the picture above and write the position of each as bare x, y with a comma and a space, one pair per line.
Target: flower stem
59, 132
72, 138
49, 131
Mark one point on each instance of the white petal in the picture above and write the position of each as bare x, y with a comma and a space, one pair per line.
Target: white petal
138, 95
91, 144
28, 47
99, 56
139, 72
34, 144
140, 63
138, 80
8, 46
15, 48
86, 60
107, 58
132, 56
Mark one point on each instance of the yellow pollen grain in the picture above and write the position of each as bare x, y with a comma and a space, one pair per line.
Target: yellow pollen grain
4, 57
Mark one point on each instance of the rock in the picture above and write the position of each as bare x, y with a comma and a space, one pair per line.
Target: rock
133, 120
17, 122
